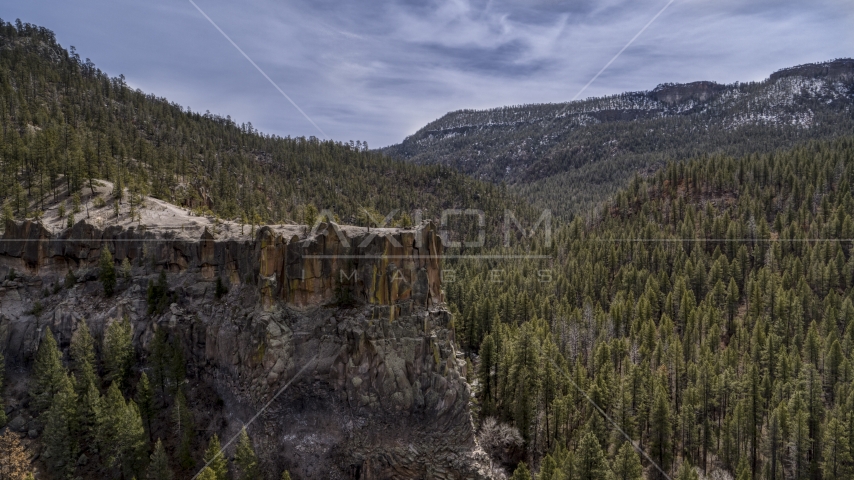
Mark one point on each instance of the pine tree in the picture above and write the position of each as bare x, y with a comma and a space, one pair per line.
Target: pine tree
836, 461
624, 412
687, 472
524, 375
813, 403
82, 353
521, 472
660, 430
245, 459
14, 463
310, 215
59, 439
549, 470
182, 419
107, 272
744, 470
549, 386
774, 441
145, 401
799, 440
121, 435
833, 361
207, 474
627, 465
70, 280
158, 468
126, 269
89, 412
220, 289
48, 373
118, 351
215, 459
486, 376
8, 215
566, 462
157, 294
133, 437
589, 458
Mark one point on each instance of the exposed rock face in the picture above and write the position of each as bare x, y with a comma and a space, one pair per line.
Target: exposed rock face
835, 68
673, 93
383, 266
351, 322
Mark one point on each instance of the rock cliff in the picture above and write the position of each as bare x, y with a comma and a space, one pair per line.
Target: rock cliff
834, 68
351, 322
673, 93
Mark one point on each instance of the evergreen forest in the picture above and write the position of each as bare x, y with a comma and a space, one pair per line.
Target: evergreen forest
708, 312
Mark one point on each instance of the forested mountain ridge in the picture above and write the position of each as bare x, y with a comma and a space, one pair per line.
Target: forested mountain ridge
569, 156
65, 122
708, 310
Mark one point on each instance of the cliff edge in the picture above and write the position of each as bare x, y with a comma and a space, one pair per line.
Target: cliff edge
342, 329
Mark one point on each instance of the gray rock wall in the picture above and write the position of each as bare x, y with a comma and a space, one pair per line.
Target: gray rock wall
383, 393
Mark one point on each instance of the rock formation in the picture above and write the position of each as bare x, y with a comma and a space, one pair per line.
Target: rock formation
350, 321
834, 68
673, 93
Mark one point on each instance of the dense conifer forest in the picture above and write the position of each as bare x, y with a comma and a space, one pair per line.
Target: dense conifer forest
708, 311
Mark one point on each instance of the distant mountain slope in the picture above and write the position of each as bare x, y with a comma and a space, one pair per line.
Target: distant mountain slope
64, 123
568, 156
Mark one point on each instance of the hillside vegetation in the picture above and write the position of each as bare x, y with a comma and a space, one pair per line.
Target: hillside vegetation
709, 311
571, 156
65, 122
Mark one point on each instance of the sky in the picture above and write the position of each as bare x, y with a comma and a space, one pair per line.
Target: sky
379, 70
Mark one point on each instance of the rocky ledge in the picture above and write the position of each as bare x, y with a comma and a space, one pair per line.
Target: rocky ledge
834, 68
674, 93
350, 321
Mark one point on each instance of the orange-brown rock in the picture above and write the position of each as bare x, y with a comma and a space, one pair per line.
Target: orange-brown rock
389, 266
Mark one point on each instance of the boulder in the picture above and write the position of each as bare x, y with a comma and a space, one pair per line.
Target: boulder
18, 424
